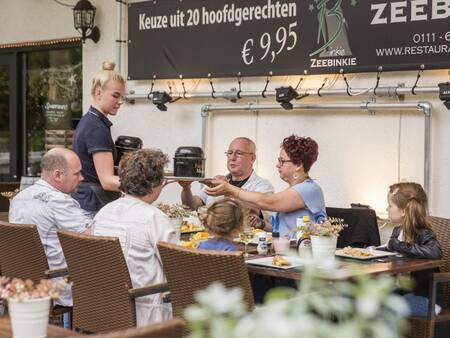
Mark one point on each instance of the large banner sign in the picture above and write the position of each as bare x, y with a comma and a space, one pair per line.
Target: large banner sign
169, 38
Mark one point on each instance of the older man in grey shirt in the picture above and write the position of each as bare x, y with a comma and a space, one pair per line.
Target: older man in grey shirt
241, 155
48, 204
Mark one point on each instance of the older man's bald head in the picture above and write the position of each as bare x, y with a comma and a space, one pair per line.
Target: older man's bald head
57, 159
61, 168
251, 146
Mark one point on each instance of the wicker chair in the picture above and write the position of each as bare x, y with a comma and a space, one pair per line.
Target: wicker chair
424, 326
22, 256
190, 270
167, 329
103, 296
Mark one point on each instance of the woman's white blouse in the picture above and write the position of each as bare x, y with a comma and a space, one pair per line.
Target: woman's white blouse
139, 226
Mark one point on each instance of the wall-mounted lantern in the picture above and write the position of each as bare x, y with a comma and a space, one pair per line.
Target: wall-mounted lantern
83, 19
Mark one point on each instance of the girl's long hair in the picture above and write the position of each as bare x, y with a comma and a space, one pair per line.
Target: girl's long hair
224, 216
412, 198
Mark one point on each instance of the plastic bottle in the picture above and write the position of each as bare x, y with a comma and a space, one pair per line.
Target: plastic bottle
304, 241
299, 225
306, 220
275, 225
275, 230
262, 246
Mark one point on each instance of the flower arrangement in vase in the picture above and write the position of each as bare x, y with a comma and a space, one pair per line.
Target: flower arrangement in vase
22, 290
331, 227
323, 237
176, 213
29, 304
174, 210
10, 194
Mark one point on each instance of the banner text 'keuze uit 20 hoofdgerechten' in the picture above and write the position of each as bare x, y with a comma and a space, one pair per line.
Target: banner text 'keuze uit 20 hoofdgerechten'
254, 37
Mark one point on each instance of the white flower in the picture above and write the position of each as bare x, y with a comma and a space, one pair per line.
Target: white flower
220, 300
319, 309
196, 314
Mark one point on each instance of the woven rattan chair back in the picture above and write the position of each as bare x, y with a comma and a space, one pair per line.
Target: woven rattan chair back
167, 329
101, 281
190, 270
422, 327
21, 252
441, 227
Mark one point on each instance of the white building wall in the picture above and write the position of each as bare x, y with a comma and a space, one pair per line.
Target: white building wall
360, 154
30, 20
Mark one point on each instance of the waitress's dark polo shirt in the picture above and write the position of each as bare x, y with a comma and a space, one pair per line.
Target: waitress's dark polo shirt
93, 134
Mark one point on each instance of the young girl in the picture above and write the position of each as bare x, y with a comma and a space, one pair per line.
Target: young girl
407, 207
223, 220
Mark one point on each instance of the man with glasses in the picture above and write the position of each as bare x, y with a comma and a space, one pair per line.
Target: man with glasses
241, 156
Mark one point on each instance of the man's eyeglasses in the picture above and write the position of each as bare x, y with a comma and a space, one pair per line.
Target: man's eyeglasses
238, 153
281, 161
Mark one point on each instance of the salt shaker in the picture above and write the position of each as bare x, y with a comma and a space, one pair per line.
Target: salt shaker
262, 246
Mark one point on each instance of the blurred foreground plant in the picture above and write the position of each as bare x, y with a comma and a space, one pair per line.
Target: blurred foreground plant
364, 308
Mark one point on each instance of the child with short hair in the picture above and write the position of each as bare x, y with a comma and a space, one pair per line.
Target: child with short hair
413, 237
223, 220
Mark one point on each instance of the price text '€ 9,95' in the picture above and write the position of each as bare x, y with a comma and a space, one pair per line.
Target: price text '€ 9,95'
284, 39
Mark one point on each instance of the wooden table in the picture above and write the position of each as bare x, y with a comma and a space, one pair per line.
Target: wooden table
350, 268
53, 330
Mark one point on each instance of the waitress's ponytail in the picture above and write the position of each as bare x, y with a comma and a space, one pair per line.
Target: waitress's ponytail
106, 74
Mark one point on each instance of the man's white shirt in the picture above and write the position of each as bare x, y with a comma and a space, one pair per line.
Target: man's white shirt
254, 183
49, 209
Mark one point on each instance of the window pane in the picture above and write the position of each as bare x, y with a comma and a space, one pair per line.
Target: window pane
53, 102
4, 124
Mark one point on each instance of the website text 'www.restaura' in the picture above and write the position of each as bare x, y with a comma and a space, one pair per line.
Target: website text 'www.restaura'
413, 50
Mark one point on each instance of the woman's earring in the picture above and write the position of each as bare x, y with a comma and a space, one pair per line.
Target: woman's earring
295, 176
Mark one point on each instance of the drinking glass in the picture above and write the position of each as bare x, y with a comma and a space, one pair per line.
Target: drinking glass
246, 237
281, 245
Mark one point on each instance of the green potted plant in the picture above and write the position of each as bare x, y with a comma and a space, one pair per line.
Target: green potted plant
365, 308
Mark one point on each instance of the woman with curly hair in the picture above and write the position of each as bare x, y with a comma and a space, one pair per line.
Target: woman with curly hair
139, 226
303, 196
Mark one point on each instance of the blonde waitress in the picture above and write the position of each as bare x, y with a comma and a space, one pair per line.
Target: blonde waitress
93, 142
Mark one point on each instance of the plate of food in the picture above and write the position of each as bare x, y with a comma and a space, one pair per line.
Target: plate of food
195, 239
255, 235
190, 244
200, 236
277, 261
189, 226
362, 254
